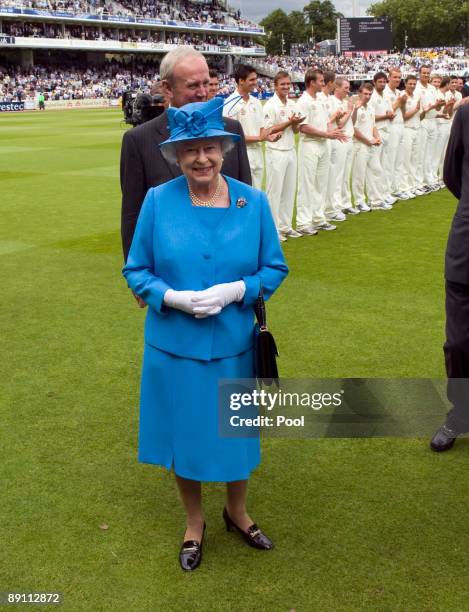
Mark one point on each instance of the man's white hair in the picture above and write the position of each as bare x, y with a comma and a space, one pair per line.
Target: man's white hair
175, 56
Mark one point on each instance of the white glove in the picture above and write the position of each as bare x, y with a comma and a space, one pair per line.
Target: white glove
181, 300
211, 301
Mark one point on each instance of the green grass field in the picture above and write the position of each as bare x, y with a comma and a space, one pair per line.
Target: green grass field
359, 524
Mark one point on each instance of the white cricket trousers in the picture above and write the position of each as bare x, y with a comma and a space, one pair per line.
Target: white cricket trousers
256, 163
280, 172
385, 186
338, 188
427, 163
391, 156
366, 170
442, 130
313, 171
410, 158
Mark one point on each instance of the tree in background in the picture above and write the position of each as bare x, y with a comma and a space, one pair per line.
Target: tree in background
427, 24
322, 16
318, 18
301, 32
276, 25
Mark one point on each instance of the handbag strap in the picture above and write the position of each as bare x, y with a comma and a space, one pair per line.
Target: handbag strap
259, 309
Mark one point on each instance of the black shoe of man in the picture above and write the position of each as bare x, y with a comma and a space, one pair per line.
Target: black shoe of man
444, 439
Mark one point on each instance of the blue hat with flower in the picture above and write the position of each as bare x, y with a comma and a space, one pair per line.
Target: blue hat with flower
197, 120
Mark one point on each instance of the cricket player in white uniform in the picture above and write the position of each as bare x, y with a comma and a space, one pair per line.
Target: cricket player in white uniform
281, 117
384, 115
314, 156
328, 89
339, 195
326, 97
428, 181
411, 140
392, 161
366, 168
454, 97
443, 125
248, 111
455, 94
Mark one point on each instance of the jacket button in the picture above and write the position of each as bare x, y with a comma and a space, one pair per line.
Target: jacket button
206, 256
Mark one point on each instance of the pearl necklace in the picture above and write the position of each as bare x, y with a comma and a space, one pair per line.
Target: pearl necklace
210, 203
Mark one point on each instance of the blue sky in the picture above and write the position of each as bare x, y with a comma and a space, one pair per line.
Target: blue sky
260, 8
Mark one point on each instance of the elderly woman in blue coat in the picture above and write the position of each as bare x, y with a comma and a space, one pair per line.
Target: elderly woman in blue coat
203, 247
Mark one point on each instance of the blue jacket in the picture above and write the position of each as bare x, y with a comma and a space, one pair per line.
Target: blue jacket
173, 249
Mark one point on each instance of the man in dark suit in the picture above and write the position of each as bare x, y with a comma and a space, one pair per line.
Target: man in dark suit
185, 78
456, 177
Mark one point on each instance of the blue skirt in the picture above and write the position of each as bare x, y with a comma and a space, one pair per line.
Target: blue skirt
179, 417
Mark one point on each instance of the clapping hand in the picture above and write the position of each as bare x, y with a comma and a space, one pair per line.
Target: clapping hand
295, 118
274, 137
338, 134
338, 114
264, 134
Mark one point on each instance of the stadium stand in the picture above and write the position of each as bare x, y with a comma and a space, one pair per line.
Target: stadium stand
88, 31
110, 81
443, 61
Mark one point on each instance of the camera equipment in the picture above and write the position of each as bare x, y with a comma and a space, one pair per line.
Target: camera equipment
139, 107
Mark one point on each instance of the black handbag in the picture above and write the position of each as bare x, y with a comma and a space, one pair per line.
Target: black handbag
265, 349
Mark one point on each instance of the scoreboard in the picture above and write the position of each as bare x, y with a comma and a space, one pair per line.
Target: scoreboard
364, 34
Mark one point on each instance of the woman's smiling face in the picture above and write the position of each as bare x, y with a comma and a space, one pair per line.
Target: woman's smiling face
200, 160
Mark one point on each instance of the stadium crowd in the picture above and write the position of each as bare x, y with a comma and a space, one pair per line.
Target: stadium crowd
113, 78
58, 83
444, 60
181, 10
72, 6
79, 82
50, 30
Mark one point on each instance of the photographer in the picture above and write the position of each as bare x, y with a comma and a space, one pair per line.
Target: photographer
140, 107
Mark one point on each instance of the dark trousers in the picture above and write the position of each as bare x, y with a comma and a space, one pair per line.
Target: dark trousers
456, 351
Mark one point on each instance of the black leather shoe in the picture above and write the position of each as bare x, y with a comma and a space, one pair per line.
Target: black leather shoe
443, 439
253, 536
190, 554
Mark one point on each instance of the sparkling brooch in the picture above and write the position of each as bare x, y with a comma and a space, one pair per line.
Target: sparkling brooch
241, 202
